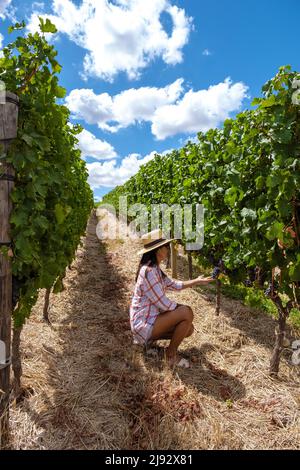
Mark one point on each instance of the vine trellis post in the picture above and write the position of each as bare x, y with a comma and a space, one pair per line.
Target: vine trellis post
190, 264
8, 131
173, 260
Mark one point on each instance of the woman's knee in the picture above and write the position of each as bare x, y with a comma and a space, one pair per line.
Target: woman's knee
188, 313
191, 330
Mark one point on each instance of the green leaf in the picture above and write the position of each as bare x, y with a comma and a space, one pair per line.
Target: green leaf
256, 102
284, 207
59, 213
56, 67
42, 222
60, 92
29, 140
275, 231
42, 141
188, 183
47, 27
248, 214
260, 182
16, 27
19, 218
294, 271
283, 137
274, 180
268, 102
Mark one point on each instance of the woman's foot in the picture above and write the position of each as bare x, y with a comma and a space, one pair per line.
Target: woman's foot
174, 360
171, 357
171, 360
184, 363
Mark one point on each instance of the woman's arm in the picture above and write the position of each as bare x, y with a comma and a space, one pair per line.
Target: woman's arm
174, 284
199, 281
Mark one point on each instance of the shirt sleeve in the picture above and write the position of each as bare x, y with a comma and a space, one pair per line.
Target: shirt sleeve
171, 284
154, 292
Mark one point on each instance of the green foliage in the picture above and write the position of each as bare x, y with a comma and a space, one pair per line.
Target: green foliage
247, 176
52, 199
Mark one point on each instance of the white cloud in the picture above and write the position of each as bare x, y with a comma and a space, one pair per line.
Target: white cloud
199, 110
38, 6
169, 110
4, 4
110, 174
128, 107
1, 51
95, 148
120, 36
206, 52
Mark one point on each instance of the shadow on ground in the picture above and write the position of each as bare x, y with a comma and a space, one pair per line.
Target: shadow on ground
252, 322
86, 374
202, 374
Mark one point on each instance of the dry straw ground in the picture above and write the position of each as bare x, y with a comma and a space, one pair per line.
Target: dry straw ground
88, 387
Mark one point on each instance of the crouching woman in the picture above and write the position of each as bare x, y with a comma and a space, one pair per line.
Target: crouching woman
152, 315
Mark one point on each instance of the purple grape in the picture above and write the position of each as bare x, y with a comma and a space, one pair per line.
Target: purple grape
216, 272
268, 291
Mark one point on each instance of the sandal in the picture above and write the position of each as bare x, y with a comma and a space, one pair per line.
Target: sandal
184, 363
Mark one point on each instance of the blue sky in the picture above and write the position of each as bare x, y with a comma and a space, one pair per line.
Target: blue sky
143, 76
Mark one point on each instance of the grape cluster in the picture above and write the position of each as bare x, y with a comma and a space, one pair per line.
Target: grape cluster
219, 268
221, 265
252, 276
268, 291
216, 272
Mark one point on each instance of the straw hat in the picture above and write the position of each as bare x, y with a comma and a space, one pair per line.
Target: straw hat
153, 240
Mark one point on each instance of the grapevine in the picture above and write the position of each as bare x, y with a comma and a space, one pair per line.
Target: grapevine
52, 200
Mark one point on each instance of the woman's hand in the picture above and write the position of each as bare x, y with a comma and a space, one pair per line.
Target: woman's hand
199, 281
204, 280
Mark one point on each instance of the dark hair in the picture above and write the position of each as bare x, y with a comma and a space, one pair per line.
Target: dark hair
149, 258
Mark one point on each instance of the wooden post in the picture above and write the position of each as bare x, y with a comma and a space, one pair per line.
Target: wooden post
168, 261
174, 261
218, 297
190, 263
46, 306
283, 313
8, 131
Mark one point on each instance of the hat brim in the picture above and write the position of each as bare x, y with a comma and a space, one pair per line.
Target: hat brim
146, 250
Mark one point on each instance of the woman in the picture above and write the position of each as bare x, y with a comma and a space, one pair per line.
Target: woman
152, 315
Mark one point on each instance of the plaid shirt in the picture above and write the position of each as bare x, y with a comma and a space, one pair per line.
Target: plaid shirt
149, 300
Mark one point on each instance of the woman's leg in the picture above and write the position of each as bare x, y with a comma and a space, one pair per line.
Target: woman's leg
178, 323
169, 334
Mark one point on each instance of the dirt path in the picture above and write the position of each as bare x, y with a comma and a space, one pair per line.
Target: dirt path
91, 389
